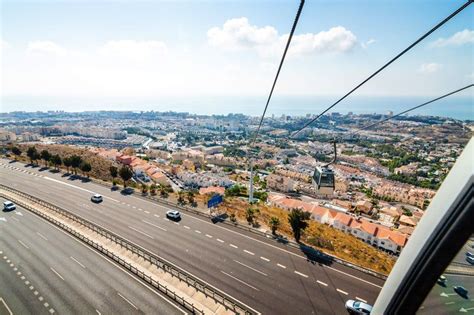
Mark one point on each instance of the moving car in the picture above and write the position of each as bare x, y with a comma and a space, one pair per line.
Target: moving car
470, 259
469, 254
461, 291
357, 307
96, 198
8, 206
173, 214
442, 280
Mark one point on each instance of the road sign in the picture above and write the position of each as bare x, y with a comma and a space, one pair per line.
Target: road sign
214, 201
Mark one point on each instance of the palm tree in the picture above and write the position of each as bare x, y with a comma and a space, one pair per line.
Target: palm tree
297, 219
56, 159
250, 214
45, 156
153, 189
163, 191
31, 153
144, 188
274, 224
75, 162
67, 162
16, 151
86, 168
181, 197
125, 173
190, 196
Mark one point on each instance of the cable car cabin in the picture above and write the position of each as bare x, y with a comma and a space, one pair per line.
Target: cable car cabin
323, 180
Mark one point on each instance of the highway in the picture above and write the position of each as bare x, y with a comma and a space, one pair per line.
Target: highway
270, 277
43, 270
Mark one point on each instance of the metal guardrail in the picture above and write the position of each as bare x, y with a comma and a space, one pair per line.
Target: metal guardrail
198, 284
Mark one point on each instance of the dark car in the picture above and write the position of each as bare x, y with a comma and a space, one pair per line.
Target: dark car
461, 291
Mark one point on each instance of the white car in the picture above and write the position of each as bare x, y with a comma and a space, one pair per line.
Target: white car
173, 214
8, 206
357, 307
96, 198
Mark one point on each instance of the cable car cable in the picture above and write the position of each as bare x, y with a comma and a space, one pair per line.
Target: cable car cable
465, 5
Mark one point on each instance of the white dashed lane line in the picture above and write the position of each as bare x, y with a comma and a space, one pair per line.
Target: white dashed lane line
56, 273
241, 281
258, 271
232, 245
154, 225
197, 231
362, 300
281, 266
220, 241
147, 235
248, 252
301, 274
322, 283
207, 235
23, 244
343, 292
263, 258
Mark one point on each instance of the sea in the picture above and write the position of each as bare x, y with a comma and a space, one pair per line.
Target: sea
457, 107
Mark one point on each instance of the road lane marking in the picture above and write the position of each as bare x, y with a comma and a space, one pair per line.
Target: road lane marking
322, 283
78, 262
263, 258
147, 212
260, 272
147, 235
6, 306
248, 252
16, 219
127, 300
46, 304
42, 236
73, 186
98, 312
159, 227
186, 227
134, 207
243, 282
23, 244
156, 215
362, 300
207, 235
232, 245
343, 292
197, 231
51, 310
449, 303
281, 266
301, 274
56, 273
140, 209
219, 240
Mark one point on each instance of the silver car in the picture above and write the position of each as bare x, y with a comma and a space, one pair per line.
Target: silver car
173, 214
357, 307
8, 206
96, 198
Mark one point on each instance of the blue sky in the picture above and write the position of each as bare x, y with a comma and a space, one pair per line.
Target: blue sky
102, 51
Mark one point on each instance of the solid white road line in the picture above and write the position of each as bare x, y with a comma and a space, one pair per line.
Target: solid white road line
260, 272
248, 252
343, 292
281, 266
301, 274
147, 235
42, 236
23, 244
6, 306
243, 282
78, 262
159, 227
322, 283
127, 300
362, 300
232, 245
56, 273
263, 258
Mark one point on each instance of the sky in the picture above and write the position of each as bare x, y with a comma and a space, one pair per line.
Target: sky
85, 55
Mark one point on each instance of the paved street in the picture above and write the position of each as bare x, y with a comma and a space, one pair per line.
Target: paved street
43, 270
270, 277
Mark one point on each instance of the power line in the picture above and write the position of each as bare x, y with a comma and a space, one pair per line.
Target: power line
279, 68
388, 63
413, 108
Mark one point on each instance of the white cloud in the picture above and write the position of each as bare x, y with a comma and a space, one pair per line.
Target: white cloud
429, 67
238, 34
46, 47
133, 49
460, 38
368, 43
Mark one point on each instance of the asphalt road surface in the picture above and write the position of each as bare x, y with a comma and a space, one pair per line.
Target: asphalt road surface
43, 270
270, 277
